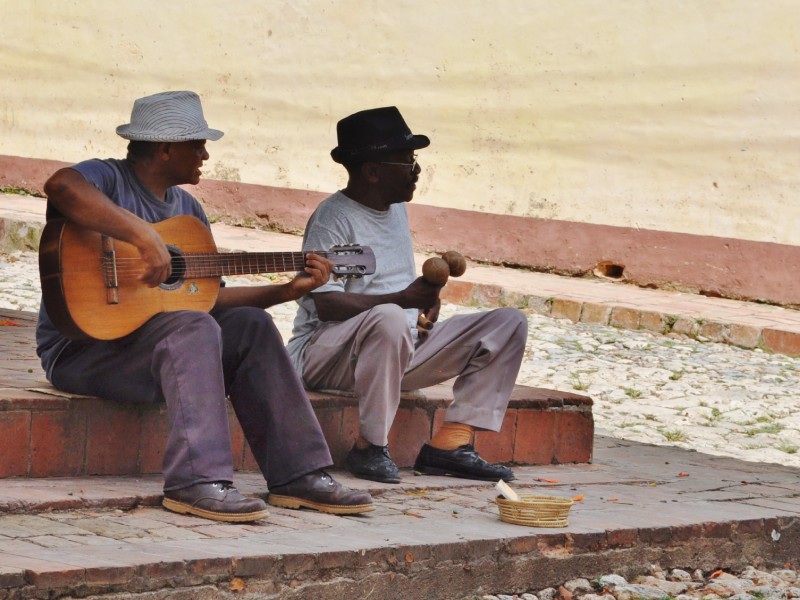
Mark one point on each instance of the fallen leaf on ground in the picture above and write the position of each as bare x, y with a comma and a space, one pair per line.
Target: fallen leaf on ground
682, 474
716, 574
544, 480
237, 584
8, 323
578, 498
612, 499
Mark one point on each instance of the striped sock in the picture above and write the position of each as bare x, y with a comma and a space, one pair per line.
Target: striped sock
451, 436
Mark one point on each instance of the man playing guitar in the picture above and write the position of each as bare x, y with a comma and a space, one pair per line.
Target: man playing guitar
192, 359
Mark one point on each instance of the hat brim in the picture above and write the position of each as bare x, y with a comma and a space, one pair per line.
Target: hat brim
129, 133
415, 142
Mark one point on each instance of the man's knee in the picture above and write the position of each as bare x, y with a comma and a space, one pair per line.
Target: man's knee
516, 321
245, 316
246, 319
515, 316
388, 320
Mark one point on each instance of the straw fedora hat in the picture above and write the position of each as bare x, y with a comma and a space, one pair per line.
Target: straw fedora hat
168, 117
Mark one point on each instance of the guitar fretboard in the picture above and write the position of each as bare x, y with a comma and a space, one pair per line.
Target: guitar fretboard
242, 263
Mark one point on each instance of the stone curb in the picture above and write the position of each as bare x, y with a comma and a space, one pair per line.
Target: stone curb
770, 339
19, 235
23, 235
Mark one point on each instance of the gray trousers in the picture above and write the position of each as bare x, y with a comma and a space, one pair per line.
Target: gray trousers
373, 355
192, 360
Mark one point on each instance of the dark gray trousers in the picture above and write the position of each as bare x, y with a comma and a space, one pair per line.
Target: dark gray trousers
192, 360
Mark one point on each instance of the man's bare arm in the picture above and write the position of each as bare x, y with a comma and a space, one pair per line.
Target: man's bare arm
316, 273
338, 306
81, 202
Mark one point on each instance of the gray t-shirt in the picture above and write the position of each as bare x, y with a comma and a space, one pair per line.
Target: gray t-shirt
117, 181
341, 220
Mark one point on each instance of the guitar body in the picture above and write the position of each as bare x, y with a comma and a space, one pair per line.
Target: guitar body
75, 279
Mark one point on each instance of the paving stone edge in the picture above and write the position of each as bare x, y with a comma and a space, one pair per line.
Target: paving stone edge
21, 235
248, 566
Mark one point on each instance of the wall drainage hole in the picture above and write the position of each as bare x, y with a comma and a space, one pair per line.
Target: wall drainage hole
610, 270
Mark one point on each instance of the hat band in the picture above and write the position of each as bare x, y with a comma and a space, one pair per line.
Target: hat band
383, 145
168, 135
168, 131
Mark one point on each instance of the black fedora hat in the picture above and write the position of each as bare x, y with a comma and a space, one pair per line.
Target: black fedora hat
370, 133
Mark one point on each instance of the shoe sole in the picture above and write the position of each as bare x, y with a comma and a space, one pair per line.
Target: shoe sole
187, 509
446, 473
333, 509
372, 478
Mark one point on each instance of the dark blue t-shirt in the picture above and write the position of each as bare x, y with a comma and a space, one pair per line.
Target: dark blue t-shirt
115, 179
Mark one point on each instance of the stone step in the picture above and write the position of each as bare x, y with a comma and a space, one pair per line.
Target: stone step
50, 434
428, 537
47, 433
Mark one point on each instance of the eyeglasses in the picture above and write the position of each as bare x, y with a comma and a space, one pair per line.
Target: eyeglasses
413, 165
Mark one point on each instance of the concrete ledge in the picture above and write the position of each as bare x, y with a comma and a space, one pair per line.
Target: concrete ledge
743, 324
756, 329
428, 537
404, 570
47, 433
19, 235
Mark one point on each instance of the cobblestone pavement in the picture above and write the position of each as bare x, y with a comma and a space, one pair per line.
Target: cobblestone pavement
750, 583
710, 397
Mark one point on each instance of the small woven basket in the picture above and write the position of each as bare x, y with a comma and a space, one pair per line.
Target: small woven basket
535, 510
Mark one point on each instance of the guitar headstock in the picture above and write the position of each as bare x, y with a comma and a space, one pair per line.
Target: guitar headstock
351, 260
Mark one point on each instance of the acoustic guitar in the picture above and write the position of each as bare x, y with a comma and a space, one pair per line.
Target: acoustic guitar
91, 287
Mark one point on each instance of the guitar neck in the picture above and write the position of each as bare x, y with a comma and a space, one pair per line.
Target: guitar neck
242, 263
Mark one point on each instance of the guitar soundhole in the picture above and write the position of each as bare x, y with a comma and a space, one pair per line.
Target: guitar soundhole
178, 269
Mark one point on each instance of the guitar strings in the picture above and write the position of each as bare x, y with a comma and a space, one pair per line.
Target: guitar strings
207, 267
220, 264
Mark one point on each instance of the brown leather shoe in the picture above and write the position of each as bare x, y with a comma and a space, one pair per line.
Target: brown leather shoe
319, 491
218, 501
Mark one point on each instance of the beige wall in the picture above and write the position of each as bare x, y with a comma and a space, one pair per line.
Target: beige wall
675, 115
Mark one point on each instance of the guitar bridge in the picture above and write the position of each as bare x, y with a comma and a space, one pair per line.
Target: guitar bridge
109, 270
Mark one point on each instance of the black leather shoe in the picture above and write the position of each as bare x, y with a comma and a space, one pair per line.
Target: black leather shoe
373, 463
462, 462
319, 491
218, 501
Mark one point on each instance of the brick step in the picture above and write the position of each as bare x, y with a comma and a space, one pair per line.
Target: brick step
47, 433
36, 495
428, 537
